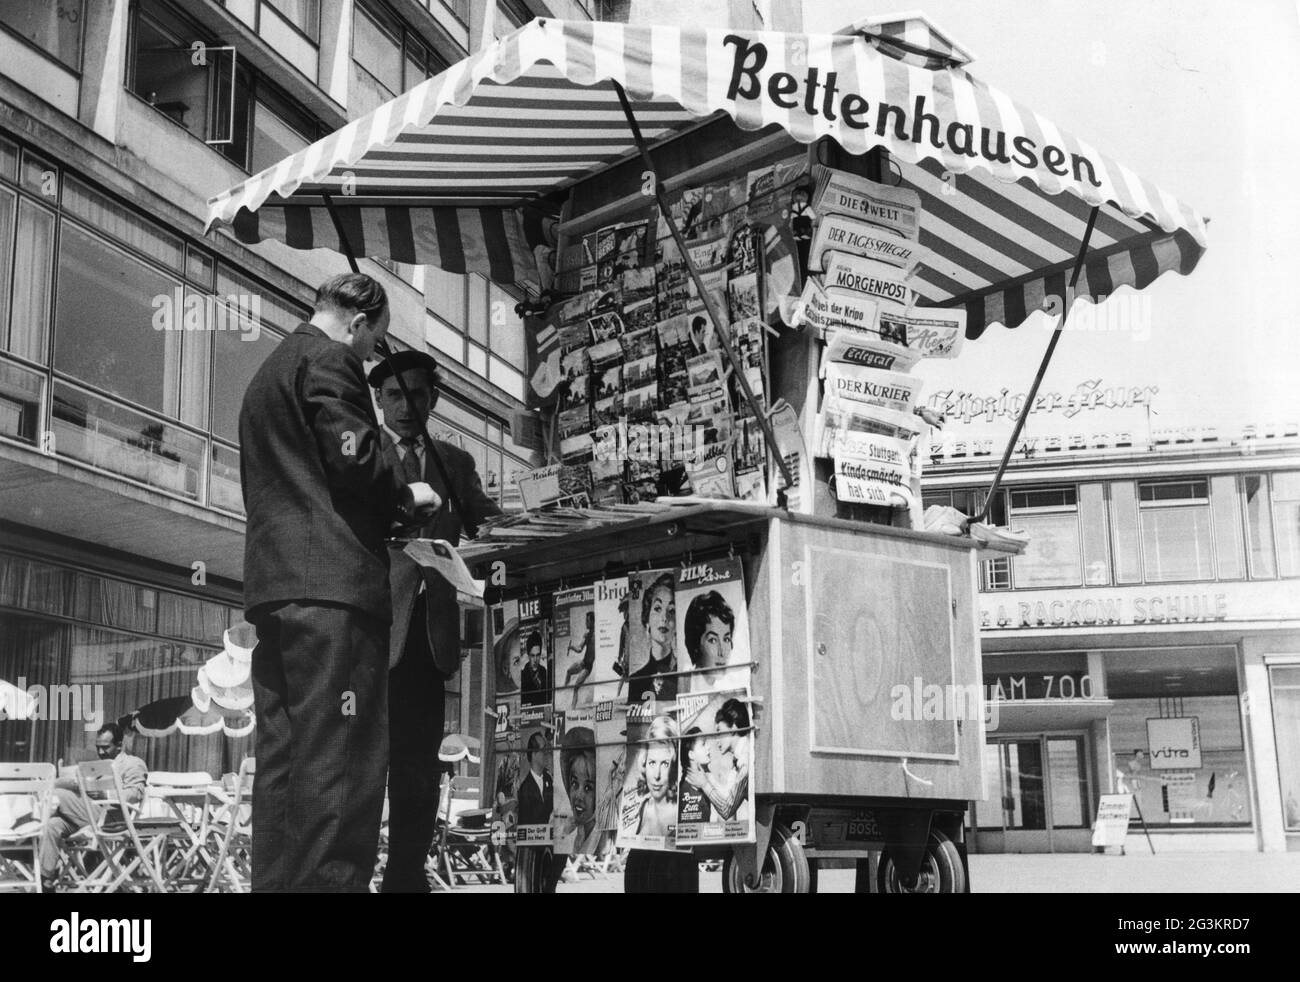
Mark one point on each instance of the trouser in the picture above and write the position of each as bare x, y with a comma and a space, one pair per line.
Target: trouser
320, 690
416, 711
67, 814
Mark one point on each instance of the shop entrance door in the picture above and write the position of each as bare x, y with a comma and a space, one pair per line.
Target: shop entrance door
1038, 795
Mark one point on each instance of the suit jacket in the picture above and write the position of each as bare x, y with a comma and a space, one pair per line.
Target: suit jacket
442, 614
318, 491
534, 808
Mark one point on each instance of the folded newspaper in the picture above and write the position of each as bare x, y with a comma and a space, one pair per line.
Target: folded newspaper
440, 556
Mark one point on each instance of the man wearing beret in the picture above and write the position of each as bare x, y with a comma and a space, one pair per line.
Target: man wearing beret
424, 647
320, 495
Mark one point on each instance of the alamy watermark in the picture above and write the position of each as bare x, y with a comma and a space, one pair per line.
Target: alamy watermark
76, 703
1125, 313
650, 442
181, 311
929, 701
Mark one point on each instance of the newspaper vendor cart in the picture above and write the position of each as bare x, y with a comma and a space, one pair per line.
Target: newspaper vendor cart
738, 642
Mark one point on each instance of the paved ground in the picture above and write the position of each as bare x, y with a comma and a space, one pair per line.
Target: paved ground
1234, 872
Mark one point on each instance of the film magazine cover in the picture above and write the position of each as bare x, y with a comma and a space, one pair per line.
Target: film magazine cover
712, 625
648, 811
715, 799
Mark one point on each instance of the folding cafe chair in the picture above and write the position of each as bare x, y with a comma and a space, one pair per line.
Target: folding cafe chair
183, 796
25, 791
230, 831
130, 844
465, 845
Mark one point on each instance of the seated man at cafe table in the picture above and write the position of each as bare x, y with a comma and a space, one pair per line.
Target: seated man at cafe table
67, 810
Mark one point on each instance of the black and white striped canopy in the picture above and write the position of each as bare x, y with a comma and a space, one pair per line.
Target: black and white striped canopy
446, 174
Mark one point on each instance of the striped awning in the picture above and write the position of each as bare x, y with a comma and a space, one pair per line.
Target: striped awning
451, 172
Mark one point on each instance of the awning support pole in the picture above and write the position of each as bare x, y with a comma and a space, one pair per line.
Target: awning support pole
1042, 370
718, 329
471, 529
343, 236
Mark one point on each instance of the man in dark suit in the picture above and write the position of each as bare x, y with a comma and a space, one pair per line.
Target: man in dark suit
424, 649
536, 789
319, 495
534, 686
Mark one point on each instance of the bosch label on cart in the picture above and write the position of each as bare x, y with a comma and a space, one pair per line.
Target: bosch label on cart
863, 828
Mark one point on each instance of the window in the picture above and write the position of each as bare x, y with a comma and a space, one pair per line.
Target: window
389, 59
106, 320
1050, 516
1259, 525
1174, 527
33, 280
162, 70
302, 14
55, 28
995, 574
20, 402
237, 357
255, 126
1285, 681
132, 230
1286, 520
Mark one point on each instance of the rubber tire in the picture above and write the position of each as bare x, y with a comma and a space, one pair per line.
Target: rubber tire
646, 871
941, 869
532, 866
785, 867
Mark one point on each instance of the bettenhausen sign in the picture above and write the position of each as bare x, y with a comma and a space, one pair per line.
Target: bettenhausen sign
928, 124
1192, 603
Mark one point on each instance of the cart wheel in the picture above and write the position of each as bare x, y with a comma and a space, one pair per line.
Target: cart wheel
941, 870
785, 868
532, 870
660, 872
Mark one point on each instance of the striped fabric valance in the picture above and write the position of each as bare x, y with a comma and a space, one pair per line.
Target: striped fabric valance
445, 173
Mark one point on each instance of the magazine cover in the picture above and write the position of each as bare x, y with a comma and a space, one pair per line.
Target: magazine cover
640, 344
508, 768
573, 821
610, 606
611, 769
715, 796
713, 628
651, 635
505, 646
534, 787
648, 810
575, 646
535, 680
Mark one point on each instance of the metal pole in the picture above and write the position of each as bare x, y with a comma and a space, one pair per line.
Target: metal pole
1042, 370
471, 528
718, 330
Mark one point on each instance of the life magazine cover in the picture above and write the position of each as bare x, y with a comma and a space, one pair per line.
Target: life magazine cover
715, 798
648, 810
535, 678
575, 646
573, 821
713, 626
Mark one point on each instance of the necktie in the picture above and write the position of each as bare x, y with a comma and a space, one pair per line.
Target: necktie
411, 469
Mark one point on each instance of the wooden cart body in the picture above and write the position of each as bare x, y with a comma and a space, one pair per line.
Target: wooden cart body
865, 665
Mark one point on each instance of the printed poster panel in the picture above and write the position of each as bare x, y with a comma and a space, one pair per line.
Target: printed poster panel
713, 628
575, 647
652, 635
648, 811
715, 796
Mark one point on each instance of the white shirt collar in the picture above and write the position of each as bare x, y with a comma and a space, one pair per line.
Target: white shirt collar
397, 441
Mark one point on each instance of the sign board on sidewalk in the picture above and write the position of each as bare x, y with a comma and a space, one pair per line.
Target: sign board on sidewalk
1111, 826
1175, 744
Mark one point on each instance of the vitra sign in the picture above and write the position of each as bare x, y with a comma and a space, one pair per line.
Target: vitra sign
1175, 744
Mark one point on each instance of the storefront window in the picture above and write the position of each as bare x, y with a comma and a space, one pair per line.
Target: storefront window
1286, 521
1050, 517
124, 646
1174, 517
53, 27
1215, 794
1286, 727
1259, 526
